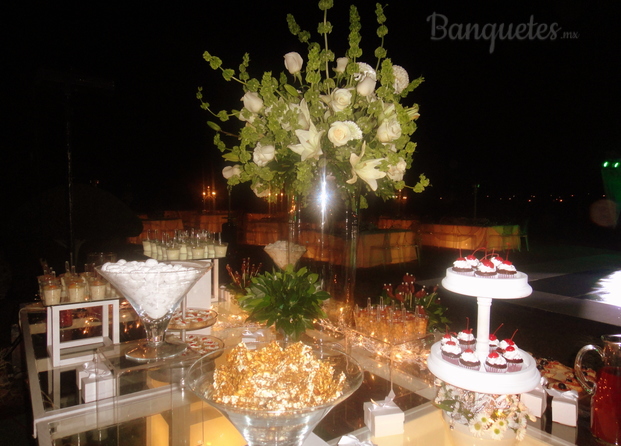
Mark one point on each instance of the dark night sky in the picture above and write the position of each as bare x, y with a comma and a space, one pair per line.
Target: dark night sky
533, 116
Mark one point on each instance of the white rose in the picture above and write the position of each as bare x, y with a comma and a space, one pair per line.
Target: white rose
341, 132
341, 64
365, 70
402, 80
293, 62
389, 130
396, 172
340, 99
263, 154
231, 171
366, 86
253, 102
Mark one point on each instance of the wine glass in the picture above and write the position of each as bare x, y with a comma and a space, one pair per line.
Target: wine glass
286, 427
155, 290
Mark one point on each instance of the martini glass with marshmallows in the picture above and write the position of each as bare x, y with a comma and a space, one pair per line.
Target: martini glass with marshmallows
154, 289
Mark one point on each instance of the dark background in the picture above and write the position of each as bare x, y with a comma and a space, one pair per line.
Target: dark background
532, 117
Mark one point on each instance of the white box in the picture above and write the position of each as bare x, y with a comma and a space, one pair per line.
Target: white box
536, 401
565, 411
383, 419
96, 382
82, 372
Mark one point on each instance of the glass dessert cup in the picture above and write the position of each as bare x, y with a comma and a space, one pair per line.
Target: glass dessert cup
155, 295
288, 427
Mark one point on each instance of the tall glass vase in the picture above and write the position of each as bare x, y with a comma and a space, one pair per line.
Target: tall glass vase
327, 225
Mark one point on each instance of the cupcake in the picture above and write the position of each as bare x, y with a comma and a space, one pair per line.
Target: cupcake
493, 343
493, 340
448, 337
486, 269
495, 363
472, 261
466, 340
468, 359
461, 265
504, 344
451, 352
496, 260
513, 358
506, 269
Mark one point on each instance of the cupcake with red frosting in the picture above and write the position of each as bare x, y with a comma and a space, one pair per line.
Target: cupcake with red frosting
469, 360
495, 363
513, 358
451, 352
486, 269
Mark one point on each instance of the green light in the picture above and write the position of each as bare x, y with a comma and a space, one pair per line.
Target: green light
605, 164
616, 164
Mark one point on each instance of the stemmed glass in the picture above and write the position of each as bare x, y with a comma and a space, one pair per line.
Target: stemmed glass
287, 427
155, 294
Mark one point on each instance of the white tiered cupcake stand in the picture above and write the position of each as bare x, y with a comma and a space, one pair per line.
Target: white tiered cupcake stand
485, 290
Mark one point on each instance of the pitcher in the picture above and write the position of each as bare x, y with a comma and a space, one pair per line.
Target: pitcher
606, 392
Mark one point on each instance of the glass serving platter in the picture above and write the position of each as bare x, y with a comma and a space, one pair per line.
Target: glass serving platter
194, 319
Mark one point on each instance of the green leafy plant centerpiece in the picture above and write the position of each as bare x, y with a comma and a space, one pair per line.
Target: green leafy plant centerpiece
289, 300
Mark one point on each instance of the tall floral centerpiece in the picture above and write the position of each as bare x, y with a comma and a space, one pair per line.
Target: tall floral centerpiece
326, 131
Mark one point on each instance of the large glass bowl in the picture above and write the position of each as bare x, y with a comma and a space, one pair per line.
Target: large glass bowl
155, 294
264, 427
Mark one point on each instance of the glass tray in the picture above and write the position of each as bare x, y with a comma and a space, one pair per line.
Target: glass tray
195, 319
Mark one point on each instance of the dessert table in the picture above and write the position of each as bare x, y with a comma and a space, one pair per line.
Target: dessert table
152, 406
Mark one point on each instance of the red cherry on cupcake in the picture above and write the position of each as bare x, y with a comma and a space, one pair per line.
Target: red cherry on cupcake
509, 341
493, 355
510, 348
493, 337
467, 330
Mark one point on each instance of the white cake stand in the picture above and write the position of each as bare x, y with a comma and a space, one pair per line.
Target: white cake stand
485, 290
